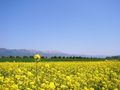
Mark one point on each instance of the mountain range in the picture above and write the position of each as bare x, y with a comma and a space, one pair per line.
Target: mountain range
24, 52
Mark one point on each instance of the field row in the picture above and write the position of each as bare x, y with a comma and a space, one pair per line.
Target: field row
102, 75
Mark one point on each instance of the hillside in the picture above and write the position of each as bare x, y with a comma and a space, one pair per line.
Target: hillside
22, 52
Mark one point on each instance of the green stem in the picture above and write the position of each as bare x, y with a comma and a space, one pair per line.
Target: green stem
36, 76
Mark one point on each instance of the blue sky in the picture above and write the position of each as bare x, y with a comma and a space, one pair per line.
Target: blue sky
90, 27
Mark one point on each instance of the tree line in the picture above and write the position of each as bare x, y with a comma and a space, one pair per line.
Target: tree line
54, 57
113, 57
18, 57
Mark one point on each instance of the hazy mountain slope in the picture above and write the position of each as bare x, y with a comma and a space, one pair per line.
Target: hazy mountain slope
22, 52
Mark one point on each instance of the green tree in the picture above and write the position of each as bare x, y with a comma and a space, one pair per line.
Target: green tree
42, 57
73, 57
70, 57
25, 56
79, 57
59, 57
67, 57
46, 56
108, 58
55, 57
87, 57
3, 56
18, 57
63, 57
52, 57
82, 57
115, 57
11, 56
31, 56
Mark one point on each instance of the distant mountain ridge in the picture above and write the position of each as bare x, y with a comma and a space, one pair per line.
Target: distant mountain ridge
24, 52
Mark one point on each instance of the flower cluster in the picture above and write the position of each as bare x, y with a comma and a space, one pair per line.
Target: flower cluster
102, 75
37, 57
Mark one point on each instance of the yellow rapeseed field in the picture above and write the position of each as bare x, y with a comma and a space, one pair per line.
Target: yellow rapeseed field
74, 75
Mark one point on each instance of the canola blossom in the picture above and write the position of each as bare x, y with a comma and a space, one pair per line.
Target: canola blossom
101, 75
37, 57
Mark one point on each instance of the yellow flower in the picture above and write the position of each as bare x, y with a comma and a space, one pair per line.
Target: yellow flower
37, 57
63, 86
31, 83
29, 74
28, 89
43, 85
1, 79
115, 89
47, 65
52, 85
6, 88
91, 88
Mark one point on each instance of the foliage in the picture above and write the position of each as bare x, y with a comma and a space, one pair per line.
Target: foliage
74, 57
113, 57
55, 57
52, 57
67, 57
25, 57
18, 57
59, 57
31, 56
70, 57
63, 57
42, 57
3, 56
11, 56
